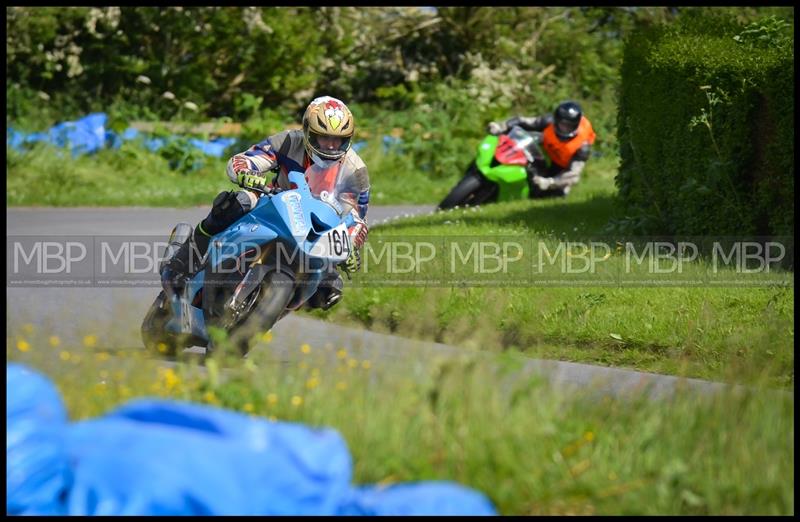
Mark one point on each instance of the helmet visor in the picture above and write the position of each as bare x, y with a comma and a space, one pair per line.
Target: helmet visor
328, 146
566, 128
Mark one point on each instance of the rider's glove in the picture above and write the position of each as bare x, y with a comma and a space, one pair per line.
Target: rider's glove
358, 232
542, 182
251, 179
495, 128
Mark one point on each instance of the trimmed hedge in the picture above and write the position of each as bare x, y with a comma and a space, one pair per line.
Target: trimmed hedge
706, 128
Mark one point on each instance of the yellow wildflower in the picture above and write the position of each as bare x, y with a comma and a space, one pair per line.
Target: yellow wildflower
365, 365
64, 355
54, 341
589, 436
102, 356
312, 383
267, 336
23, 346
90, 341
249, 408
305, 348
352, 363
171, 378
297, 400
341, 354
272, 399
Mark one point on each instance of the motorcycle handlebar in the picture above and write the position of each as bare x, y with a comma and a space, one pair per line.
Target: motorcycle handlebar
270, 192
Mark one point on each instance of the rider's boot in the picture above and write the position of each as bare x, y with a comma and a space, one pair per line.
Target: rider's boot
328, 293
186, 261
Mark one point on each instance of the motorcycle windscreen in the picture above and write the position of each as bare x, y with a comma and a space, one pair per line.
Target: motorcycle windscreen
334, 184
509, 152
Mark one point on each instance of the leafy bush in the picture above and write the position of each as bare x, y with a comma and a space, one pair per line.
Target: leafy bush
705, 127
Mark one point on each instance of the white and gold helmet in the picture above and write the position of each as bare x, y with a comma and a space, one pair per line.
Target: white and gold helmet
327, 117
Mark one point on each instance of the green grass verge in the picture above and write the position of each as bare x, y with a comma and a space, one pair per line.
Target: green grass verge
531, 449
718, 333
130, 176
133, 176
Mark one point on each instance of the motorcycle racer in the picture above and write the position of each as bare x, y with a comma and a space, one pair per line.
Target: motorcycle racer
324, 140
567, 140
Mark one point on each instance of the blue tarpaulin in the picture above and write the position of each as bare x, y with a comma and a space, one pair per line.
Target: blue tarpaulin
88, 135
160, 457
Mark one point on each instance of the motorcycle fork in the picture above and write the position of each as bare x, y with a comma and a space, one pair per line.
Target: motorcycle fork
186, 311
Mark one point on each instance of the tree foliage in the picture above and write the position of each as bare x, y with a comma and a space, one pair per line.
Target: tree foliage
244, 62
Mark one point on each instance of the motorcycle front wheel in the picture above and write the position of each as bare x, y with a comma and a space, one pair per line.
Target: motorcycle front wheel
274, 294
154, 335
473, 189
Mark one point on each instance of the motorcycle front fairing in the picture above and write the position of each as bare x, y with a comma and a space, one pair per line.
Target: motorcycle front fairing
186, 317
510, 179
247, 233
312, 228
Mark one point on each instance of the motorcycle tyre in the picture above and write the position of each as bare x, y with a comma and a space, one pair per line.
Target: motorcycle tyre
276, 292
473, 189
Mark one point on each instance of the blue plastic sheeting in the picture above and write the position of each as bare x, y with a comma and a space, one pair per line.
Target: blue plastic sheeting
88, 135
390, 143
159, 457
36, 461
358, 146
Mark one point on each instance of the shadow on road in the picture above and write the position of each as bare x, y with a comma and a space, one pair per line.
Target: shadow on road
556, 217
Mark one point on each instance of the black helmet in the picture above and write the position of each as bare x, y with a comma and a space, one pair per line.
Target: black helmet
566, 119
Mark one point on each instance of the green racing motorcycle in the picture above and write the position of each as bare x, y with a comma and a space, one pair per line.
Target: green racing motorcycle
499, 171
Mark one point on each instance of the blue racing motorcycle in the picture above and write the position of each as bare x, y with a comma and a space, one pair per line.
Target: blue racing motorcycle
263, 266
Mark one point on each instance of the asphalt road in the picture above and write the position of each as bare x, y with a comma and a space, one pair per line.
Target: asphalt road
114, 314
139, 220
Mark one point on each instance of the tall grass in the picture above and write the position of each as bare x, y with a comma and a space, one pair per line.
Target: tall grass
532, 449
133, 176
